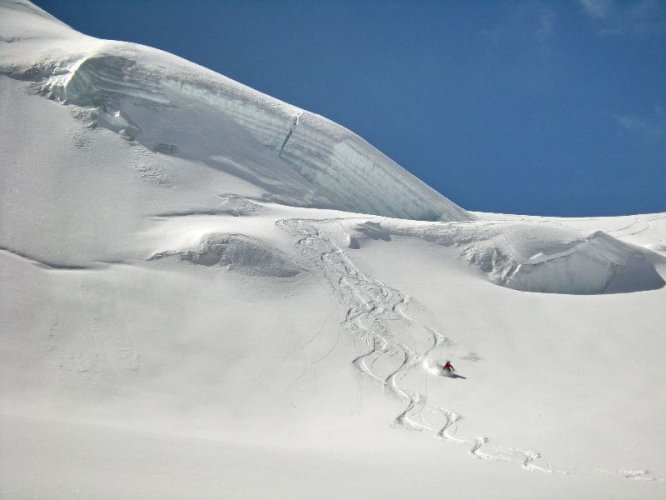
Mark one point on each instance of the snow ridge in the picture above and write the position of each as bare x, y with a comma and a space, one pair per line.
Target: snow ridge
237, 252
535, 258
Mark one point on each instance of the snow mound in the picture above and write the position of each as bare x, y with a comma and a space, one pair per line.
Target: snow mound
239, 253
534, 257
544, 259
177, 108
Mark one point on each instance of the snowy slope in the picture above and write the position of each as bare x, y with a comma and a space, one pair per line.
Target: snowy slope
207, 293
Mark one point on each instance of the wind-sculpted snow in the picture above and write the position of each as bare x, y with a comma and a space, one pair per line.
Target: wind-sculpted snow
594, 264
533, 257
177, 108
239, 253
177, 284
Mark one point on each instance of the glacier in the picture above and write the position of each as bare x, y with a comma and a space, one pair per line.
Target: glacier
125, 87
206, 292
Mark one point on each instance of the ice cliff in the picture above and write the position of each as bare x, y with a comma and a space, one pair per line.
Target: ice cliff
178, 108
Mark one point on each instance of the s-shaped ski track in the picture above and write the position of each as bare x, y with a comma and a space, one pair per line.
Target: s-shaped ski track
396, 344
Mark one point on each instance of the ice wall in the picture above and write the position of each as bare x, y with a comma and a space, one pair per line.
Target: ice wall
112, 80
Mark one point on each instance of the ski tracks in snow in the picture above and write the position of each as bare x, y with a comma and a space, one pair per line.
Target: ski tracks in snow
396, 345
397, 349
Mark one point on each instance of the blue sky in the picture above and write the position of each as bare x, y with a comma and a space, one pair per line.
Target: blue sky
531, 107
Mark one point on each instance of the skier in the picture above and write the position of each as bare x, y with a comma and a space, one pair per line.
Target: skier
448, 367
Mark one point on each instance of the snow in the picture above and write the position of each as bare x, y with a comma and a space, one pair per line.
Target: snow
238, 253
208, 293
178, 108
536, 258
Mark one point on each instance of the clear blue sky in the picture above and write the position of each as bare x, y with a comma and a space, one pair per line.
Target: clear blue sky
532, 107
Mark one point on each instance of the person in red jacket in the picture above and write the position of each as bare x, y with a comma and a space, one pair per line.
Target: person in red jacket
448, 367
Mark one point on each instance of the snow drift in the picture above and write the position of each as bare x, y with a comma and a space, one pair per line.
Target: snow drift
237, 252
555, 261
534, 258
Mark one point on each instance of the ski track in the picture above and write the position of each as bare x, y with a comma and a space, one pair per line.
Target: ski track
376, 316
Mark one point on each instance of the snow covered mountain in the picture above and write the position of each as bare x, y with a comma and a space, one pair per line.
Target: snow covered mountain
206, 292
177, 108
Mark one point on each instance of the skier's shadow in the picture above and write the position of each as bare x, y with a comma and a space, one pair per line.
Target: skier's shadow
452, 375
